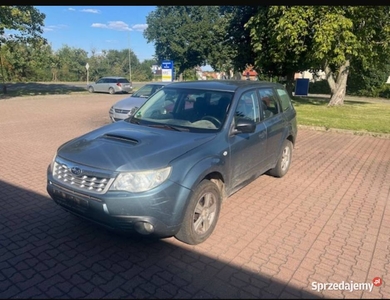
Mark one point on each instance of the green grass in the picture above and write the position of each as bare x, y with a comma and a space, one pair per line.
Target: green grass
363, 116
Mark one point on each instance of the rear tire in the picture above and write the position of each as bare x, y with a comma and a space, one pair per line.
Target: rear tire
111, 91
284, 160
201, 215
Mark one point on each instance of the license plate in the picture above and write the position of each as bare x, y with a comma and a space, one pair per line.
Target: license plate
70, 199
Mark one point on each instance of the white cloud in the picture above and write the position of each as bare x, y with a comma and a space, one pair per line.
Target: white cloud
92, 11
120, 26
111, 41
54, 27
140, 27
71, 9
114, 25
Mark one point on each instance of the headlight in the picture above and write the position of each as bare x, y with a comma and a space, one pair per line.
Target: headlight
136, 182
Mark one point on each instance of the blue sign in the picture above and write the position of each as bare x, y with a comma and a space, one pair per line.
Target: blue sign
167, 70
301, 87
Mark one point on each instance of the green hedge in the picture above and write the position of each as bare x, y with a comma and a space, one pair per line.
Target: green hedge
322, 87
319, 87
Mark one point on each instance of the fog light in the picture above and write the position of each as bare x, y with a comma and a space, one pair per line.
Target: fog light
144, 227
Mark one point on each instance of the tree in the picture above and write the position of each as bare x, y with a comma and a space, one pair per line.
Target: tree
235, 43
184, 34
72, 63
367, 81
329, 38
24, 62
25, 21
273, 58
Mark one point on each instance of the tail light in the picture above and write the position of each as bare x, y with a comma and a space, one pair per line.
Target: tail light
118, 84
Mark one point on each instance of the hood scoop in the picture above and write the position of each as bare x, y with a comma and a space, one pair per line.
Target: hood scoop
121, 138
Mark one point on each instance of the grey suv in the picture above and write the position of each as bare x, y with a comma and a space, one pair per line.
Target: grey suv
111, 85
166, 170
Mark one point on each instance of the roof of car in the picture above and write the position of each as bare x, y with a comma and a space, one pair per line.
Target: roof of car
223, 85
114, 77
158, 83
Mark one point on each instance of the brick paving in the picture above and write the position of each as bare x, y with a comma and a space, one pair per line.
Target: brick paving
326, 221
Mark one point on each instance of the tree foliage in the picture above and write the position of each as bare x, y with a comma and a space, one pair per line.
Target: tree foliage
25, 22
183, 34
25, 25
236, 46
324, 37
25, 62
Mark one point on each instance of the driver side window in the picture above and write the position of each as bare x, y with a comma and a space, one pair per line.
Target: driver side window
248, 106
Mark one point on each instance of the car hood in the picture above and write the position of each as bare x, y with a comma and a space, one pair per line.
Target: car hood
129, 103
124, 146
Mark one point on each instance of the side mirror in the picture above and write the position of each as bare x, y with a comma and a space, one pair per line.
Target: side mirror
244, 125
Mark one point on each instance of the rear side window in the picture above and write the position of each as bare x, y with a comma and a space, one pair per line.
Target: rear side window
123, 80
270, 106
284, 99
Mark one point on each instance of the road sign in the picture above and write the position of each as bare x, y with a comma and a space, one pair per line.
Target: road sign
167, 71
87, 66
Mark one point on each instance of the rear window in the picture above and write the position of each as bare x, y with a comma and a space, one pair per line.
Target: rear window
284, 99
123, 80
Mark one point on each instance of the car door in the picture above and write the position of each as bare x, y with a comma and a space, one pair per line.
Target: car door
247, 150
99, 85
274, 122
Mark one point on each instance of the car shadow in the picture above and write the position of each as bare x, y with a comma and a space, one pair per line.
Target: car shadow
48, 253
35, 88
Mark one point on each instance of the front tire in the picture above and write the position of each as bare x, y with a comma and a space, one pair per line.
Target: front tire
284, 160
90, 89
201, 215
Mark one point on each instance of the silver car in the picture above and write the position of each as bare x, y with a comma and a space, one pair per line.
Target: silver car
126, 107
111, 85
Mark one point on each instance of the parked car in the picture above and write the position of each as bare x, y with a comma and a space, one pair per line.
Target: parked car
166, 172
126, 107
111, 85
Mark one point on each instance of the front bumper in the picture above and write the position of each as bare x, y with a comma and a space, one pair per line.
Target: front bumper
163, 207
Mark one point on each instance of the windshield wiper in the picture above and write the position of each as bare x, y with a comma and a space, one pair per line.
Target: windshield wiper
168, 127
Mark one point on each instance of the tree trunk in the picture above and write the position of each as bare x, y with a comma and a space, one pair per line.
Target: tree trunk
290, 84
2, 72
340, 86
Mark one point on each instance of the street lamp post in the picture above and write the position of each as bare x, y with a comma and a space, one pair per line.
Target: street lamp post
129, 60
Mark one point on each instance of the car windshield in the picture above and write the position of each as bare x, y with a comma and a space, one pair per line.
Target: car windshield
185, 109
146, 90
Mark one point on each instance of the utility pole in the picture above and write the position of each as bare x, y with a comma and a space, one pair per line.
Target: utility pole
129, 60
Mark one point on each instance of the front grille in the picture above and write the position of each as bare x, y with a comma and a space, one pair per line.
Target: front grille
122, 111
85, 182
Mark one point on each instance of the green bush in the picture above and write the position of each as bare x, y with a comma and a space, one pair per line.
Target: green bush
384, 92
319, 87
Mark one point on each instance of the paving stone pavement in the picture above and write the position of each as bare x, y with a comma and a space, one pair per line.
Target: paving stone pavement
326, 221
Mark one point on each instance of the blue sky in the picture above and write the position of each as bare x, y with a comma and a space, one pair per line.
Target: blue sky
99, 28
